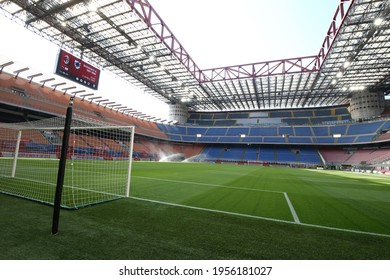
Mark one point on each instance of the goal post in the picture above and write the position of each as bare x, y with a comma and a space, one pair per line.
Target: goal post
97, 169
16, 153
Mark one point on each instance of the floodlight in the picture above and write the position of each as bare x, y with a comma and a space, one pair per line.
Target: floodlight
378, 21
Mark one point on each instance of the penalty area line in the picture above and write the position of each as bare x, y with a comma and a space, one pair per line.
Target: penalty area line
260, 217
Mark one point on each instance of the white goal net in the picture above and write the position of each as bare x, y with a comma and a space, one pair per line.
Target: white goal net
98, 166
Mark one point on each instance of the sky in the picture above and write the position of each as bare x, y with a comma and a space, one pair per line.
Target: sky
219, 33
215, 33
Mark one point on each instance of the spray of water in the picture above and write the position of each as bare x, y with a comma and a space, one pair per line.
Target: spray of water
173, 158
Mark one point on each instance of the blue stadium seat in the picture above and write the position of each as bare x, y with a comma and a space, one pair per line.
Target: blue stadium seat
232, 153
364, 128
364, 138
346, 139
320, 130
299, 140
196, 130
206, 116
280, 114
216, 131
338, 129
229, 139
286, 130
274, 140
267, 153
238, 115
189, 138
224, 122
252, 153
303, 113
220, 116
302, 131
323, 140
323, 112
236, 131
205, 122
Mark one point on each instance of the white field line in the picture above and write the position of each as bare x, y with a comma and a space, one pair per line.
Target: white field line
233, 213
292, 210
294, 214
261, 218
205, 184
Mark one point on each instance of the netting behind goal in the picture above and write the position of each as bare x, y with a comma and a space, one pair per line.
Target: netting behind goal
98, 166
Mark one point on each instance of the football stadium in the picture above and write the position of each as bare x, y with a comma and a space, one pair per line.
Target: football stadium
285, 159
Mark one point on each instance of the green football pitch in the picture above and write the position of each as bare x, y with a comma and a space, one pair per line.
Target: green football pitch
213, 211
334, 199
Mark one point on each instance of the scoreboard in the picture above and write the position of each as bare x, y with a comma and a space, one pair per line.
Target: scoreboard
77, 70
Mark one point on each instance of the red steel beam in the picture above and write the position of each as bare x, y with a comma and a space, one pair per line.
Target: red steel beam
276, 67
334, 28
261, 69
147, 13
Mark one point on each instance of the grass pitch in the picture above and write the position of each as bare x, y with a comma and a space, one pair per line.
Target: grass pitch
210, 211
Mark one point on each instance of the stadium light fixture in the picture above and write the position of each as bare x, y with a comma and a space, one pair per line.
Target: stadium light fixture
139, 48
5, 65
198, 135
100, 101
108, 103
93, 98
85, 95
33, 76
378, 21
78, 91
56, 85
92, 7
115, 105
46, 80
17, 72
347, 63
66, 89
242, 135
357, 88
336, 135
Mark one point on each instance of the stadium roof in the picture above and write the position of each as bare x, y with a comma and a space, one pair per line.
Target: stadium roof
130, 39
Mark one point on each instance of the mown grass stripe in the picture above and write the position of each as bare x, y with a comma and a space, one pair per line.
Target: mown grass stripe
205, 184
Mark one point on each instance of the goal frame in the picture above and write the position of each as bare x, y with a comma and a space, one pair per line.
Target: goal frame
19, 128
